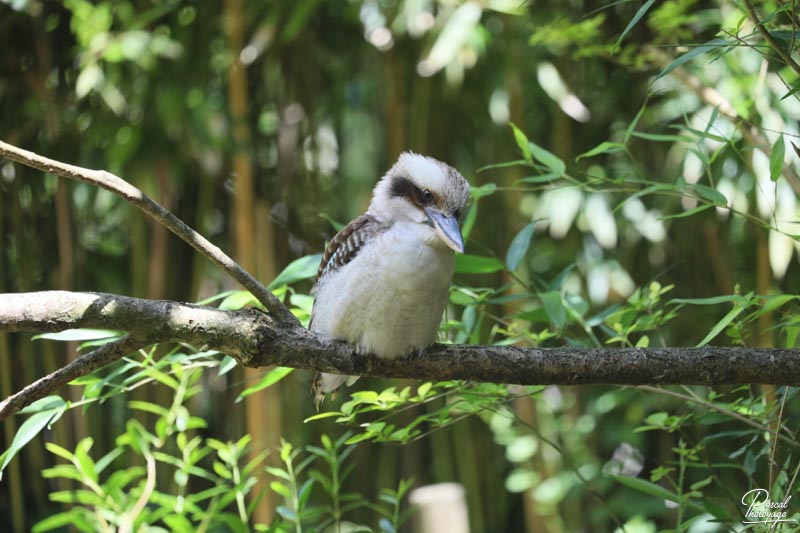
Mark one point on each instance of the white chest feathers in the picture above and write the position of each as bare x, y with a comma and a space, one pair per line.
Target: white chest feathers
389, 299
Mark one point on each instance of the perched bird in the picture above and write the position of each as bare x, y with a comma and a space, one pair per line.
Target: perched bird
383, 281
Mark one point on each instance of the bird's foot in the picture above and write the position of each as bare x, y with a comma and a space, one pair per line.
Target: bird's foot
413, 355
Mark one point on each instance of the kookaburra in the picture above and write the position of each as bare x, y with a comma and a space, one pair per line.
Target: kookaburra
383, 281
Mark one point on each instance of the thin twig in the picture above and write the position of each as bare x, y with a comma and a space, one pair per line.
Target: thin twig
81, 366
751, 12
132, 195
129, 519
714, 98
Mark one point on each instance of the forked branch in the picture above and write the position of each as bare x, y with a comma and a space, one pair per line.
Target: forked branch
131, 194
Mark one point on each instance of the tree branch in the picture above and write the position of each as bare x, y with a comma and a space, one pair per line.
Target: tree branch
131, 194
256, 339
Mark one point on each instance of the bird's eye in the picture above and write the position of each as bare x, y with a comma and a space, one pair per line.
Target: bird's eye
427, 196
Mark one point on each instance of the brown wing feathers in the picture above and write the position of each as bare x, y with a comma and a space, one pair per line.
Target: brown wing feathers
347, 243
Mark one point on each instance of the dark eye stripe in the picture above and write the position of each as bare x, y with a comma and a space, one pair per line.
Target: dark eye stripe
404, 188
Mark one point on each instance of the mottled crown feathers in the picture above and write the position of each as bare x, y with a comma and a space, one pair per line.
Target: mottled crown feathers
416, 175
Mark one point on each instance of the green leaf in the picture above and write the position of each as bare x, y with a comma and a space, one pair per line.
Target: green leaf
634, 123
555, 307
506, 164
424, 389
216, 297
148, 407
548, 159
305, 492
299, 269
69, 335
636, 18
702, 483
710, 194
281, 489
707, 301
661, 137
287, 513
719, 512
791, 92
60, 451
519, 246
337, 226
542, 178
722, 324
468, 220
47, 403
688, 56
605, 147
483, 190
227, 364
26, 432
522, 142
642, 485
56, 521
237, 300
776, 159
659, 187
177, 522
320, 416
475, 264
558, 281
688, 213
774, 302
269, 379
84, 460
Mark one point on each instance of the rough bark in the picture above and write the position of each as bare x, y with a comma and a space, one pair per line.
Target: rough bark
256, 339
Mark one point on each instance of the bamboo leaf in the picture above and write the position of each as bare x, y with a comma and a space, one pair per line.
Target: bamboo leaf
688, 56
26, 432
475, 264
776, 159
269, 379
555, 308
636, 18
519, 246
605, 147
722, 324
548, 159
299, 269
522, 142
648, 487
712, 195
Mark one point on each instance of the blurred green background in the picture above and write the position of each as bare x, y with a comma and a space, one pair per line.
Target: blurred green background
660, 132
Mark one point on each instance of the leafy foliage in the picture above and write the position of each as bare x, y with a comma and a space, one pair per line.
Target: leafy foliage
646, 195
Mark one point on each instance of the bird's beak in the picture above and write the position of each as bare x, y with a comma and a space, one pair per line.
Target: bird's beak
446, 227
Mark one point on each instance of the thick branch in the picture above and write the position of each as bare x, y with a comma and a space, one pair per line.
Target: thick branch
131, 194
255, 340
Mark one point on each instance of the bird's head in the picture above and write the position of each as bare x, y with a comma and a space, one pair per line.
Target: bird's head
423, 190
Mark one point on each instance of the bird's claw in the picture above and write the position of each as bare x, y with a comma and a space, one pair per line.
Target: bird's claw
413, 355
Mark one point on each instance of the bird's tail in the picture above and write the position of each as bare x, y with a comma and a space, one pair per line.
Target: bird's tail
328, 384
